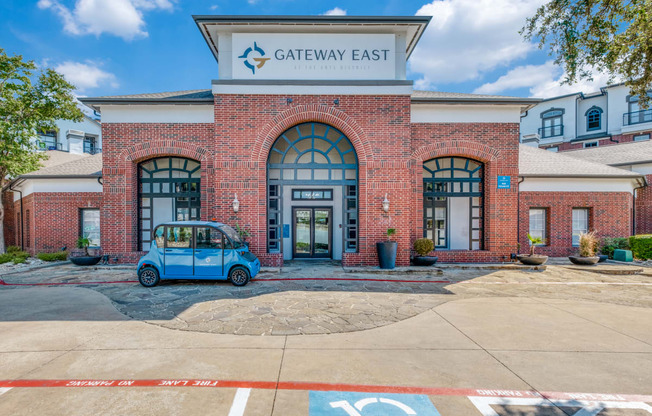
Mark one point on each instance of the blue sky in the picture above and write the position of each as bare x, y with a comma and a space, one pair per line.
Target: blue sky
113, 47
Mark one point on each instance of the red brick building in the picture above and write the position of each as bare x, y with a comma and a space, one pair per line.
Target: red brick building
314, 141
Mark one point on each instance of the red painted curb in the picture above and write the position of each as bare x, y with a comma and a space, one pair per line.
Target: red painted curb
352, 280
306, 386
3, 283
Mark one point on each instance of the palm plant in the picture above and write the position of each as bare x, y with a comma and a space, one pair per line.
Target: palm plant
533, 242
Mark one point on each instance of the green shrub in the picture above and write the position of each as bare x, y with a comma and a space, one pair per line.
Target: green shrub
423, 246
58, 256
641, 246
610, 244
20, 259
13, 249
5, 258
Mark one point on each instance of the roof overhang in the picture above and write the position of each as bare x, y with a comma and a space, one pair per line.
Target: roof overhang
96, 103
211, 26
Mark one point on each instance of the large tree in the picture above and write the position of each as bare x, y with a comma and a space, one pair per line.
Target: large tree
613, 36
30, 101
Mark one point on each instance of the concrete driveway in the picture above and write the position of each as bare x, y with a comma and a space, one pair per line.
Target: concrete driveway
480, 348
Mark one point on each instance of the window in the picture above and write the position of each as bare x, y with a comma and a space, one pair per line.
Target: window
538, 224
90, 145
169, 190
591, 144
635, 113
552, 123
554, 149
47, 140
90, 226
312, 194
453, 203
593, 118
580, 224
642, 137
179, 237
208, 237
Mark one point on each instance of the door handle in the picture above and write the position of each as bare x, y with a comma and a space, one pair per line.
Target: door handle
197, 251
168, 250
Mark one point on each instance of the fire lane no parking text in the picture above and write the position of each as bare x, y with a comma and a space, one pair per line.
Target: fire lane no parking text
328, 399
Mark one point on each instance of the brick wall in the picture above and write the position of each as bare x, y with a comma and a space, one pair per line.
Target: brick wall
610, 215
51, 220
644, 208
9, 221
494, 144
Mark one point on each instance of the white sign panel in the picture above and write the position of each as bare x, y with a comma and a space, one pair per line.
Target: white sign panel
313, 56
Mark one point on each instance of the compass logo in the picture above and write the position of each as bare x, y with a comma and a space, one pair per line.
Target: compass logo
254, 54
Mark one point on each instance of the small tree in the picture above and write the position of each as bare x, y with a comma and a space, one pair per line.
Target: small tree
390, 233
242, 232
533, 242
84, 242
423, 246
28, 105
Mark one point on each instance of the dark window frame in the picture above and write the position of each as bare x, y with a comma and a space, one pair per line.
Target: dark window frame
550, 115
81, 224
593, 115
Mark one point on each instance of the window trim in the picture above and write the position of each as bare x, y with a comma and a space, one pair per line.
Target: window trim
545, 225
81, 224
647, 135
588, 113
589, 145
545, 115
588, 222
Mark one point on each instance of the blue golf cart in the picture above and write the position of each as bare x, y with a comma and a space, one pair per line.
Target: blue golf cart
198, 250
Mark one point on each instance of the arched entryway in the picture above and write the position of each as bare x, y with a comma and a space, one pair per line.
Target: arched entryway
312, 193
169, 190
453, 194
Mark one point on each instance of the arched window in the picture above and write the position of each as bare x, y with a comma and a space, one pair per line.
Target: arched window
593, 119
169, 190
453, 203
313, 160
552, 123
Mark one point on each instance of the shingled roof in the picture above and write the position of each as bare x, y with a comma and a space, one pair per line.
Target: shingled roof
535, 162
63, 164
616, 155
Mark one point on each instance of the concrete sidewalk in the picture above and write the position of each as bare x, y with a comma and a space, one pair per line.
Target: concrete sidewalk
499, 343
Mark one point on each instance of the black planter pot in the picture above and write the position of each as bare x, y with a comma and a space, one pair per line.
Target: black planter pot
603, 258
387, 254
425, 260
85, 260
532, 261
584, 261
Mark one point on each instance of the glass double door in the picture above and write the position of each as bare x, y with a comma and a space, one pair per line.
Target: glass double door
312, 232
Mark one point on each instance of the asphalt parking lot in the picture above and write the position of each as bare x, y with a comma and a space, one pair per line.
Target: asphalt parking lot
468, 342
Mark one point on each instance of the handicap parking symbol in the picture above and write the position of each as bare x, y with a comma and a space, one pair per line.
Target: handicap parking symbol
343, 403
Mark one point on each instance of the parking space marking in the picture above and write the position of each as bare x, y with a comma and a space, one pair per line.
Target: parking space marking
3, 390
338, 403
587, 408
240, 402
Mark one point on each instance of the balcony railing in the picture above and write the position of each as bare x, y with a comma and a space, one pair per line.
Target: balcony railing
92, 150
551, 131
636, 117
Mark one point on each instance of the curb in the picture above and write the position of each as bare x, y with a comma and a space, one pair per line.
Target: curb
40, 266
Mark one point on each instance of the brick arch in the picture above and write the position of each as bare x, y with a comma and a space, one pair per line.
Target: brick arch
311, 113
463, 148
160, 148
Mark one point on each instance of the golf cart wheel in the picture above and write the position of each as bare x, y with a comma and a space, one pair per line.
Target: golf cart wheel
148, 277
239, 276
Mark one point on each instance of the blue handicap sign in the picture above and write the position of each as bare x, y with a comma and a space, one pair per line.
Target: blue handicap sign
504, 182
344, 403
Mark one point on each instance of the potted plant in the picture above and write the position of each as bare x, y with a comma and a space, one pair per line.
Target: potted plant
532, 259
588, 247
423, 247
387, 251
86, 259
243, 233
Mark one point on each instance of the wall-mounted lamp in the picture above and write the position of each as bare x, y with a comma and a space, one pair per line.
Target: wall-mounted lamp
236, 204
386, 204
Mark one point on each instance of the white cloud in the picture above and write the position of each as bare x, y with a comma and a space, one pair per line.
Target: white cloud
85, 76
467, 38
521, 77
543, 81
123, 18
335, 12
